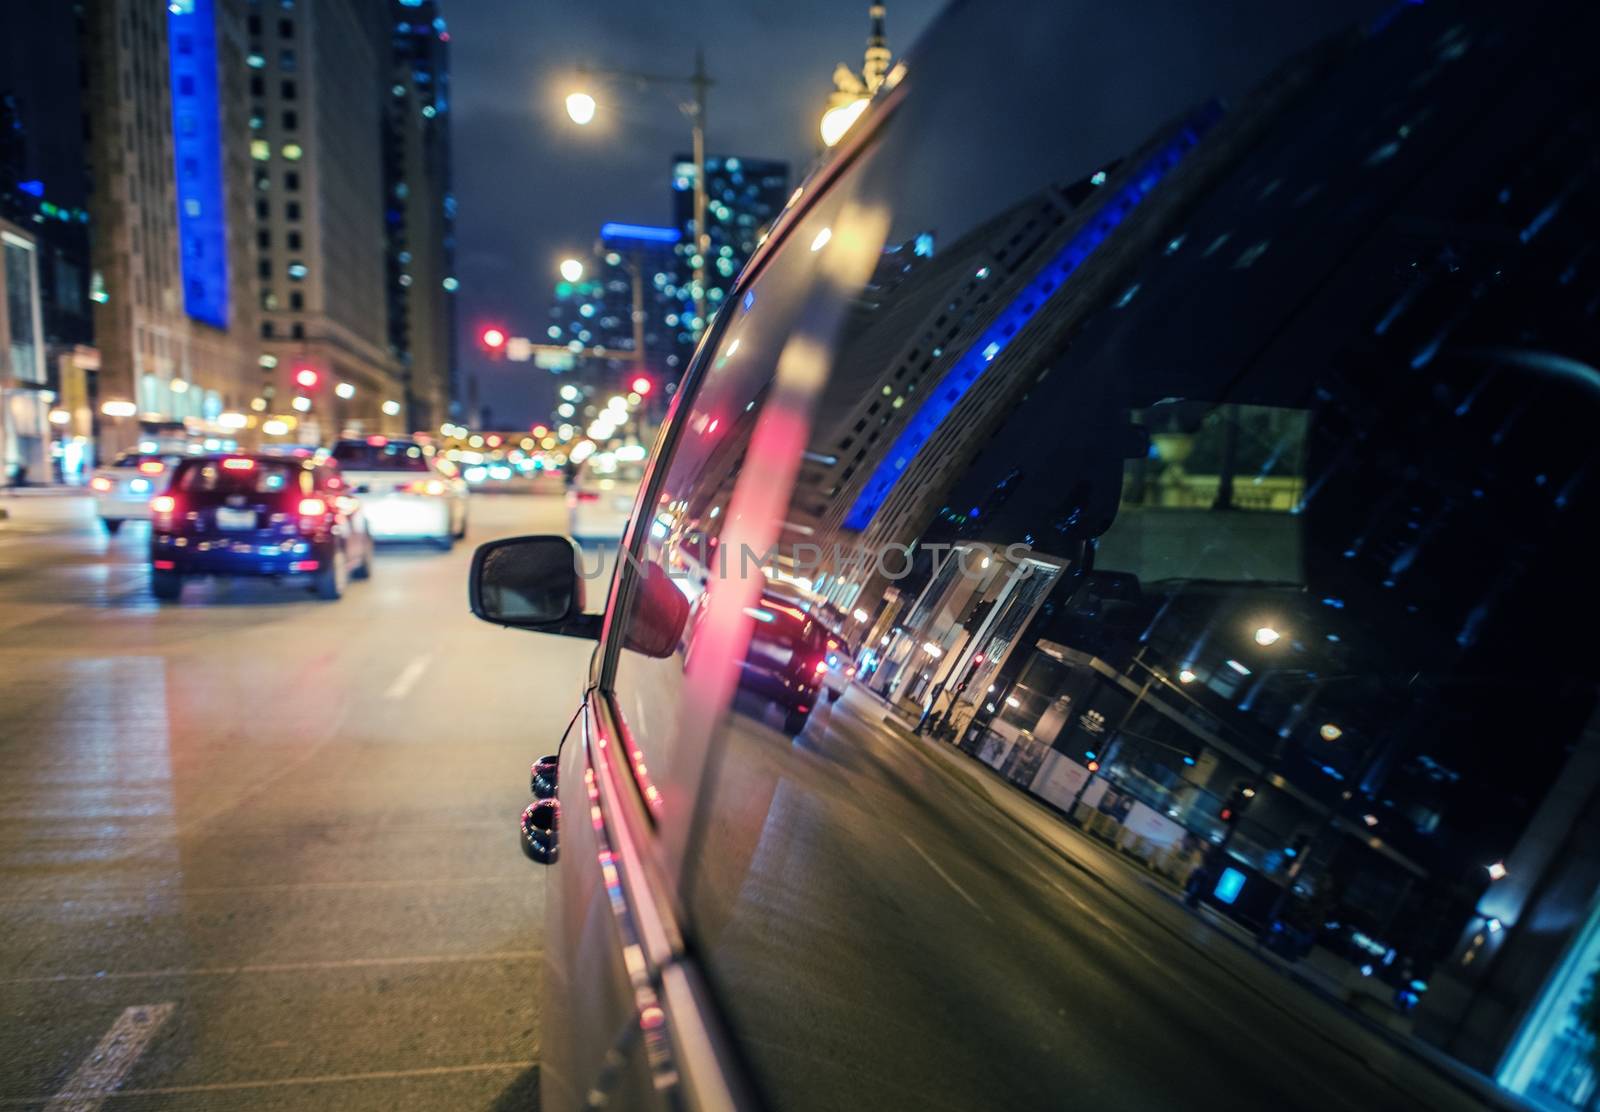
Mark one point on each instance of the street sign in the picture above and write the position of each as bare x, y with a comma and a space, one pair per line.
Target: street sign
519, 349
555, 361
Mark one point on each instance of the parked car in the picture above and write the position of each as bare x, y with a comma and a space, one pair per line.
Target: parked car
600, 498
258, 515
1208, 391
122, 490
407, 492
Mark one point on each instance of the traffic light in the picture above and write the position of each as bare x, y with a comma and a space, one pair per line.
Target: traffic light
493, 339
1237, 804
642, 386
306, 377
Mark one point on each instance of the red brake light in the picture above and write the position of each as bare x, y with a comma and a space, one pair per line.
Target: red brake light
152, 467
100, 482
163, 504
312, 507
377, 441
588, 496
237, 464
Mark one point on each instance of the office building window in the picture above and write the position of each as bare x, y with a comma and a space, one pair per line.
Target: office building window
297, 300
266, 330
292, 210
293, 239
297, 331
286, 61
288, 90
291, 120
291, 181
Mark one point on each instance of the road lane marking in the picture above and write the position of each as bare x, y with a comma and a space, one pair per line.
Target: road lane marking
313, 1079
946, 877
105, 1067
407, 679
279, 967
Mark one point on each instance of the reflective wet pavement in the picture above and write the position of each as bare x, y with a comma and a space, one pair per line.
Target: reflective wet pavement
291, 821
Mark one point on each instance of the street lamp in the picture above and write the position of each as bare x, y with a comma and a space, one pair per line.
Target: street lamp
838, 120
571, 269
581, 110
1266, 635
580, 107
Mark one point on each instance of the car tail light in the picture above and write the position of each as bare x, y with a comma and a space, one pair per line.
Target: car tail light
165, 565
152, 467
588, 496
312, 507
100, 483
237, 464
163, 504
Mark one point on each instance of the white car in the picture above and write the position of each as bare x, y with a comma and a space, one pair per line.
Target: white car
122, 491
407, 493
601, 496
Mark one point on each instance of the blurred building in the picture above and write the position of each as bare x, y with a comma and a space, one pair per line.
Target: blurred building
419, 212
174, 317
743, 197
320, 76
632, 267
44, 196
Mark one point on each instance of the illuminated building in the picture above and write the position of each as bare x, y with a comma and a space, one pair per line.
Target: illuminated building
419, 211
743, 197
44, 195
317, 78
171, 249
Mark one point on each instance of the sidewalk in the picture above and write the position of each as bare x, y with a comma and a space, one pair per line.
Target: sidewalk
1164, 905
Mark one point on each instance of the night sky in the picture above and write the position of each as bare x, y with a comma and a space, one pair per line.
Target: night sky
533, 188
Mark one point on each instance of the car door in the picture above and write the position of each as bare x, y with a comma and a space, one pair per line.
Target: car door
1126, 310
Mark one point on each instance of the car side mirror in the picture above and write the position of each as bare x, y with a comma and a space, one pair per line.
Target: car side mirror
531, 583
657, 616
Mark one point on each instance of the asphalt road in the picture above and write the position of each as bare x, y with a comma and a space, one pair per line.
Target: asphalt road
262, 848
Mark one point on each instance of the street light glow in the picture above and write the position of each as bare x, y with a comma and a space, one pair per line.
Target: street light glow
1496, 871
571, 269
580, 107
345, 390
1186, 676
391, 407
1266, 635
837, 121
1330, 732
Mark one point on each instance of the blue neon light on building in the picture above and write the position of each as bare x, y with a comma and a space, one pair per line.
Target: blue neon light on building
1010, 321
644, 233
197, 159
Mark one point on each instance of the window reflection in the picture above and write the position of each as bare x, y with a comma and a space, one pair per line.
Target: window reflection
1222, 491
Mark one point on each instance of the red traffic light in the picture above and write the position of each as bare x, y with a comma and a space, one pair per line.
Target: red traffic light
493, 338
642, 385
306, 377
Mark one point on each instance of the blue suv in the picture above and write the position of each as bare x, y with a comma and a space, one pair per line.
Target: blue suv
257, 515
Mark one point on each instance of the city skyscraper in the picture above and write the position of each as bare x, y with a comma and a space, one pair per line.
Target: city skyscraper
44, 198
419, 211
170, 251
319, 75
743, 197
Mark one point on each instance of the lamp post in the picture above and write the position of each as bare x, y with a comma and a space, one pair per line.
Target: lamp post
581, 109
